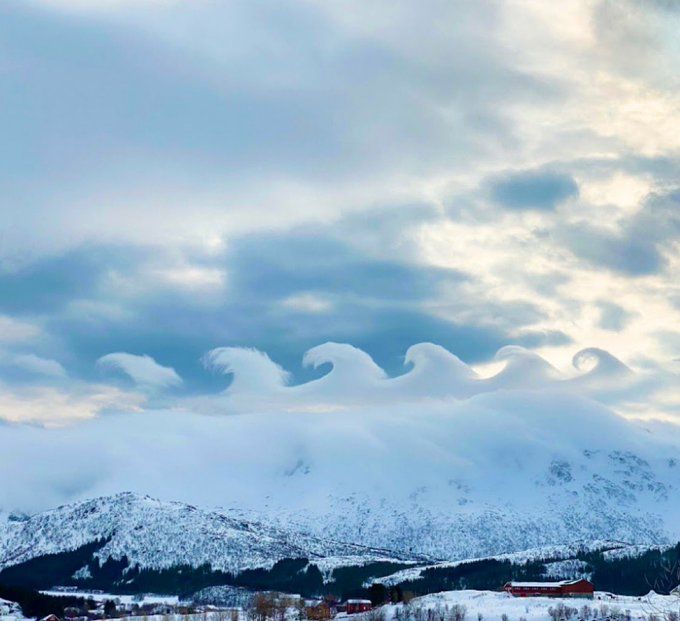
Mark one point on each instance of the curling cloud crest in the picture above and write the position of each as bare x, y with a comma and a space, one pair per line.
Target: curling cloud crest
433, 373
143, 370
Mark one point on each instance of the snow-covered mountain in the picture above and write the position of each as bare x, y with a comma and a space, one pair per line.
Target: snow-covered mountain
157, 535
130, 542
599, 494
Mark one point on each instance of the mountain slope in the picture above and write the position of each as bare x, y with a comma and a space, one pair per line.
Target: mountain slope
151, 534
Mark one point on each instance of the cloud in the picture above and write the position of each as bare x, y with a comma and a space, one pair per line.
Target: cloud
363, 455
406, 447
627, 254
355, 379
39, 366
284, 291
53, 406
15, 331
253, 370
143, 370
380, 176
613, 317
533, 189
639, 245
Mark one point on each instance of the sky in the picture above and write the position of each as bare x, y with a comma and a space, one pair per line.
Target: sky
271, 176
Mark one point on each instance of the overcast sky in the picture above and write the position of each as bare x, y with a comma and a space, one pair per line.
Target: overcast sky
181, 176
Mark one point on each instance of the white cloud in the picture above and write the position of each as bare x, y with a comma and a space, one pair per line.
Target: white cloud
355, 380
56, 407
308, 303
16, 331
39, 366
143, 370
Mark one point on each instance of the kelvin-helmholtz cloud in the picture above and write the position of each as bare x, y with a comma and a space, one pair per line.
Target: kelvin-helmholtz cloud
434, 373
263, 439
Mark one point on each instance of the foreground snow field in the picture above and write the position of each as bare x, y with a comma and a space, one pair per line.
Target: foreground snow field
492, 605
9, 611
478, 605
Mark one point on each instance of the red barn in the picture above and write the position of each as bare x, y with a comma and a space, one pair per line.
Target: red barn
564, 588
354, 606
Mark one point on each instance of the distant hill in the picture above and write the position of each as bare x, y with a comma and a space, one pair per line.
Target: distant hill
129, 543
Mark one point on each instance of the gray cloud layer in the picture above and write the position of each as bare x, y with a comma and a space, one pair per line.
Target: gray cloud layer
277, 175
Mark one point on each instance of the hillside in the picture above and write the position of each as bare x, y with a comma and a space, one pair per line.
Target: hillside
129, 544
611, 566
136, 542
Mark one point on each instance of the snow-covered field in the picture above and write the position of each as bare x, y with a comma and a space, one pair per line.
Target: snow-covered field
478, 605
9, 611
492, 605
123, 599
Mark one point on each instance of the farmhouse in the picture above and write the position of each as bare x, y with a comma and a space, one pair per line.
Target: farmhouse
358, 605
564, 588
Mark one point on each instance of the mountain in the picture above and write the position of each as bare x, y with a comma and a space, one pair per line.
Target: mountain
498, 474
599, 494
132, 543
155, 534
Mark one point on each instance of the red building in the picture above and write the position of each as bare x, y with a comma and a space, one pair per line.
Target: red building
564, 588
354, 606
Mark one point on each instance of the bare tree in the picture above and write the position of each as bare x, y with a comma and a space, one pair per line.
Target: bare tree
458, 612
667, 580
262, 607
220, 615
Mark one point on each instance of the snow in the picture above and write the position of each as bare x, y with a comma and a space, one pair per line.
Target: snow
557, 552
10, 611
571, 567
123, 599
540, 584
159, 534
492, 605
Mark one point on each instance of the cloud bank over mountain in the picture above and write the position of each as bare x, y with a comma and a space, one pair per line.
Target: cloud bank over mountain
440, 435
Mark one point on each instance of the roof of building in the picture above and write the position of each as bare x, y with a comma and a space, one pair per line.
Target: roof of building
532, 585
358, 601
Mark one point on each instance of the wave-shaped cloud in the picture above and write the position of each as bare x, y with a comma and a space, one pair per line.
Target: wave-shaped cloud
433, 373
143, 370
